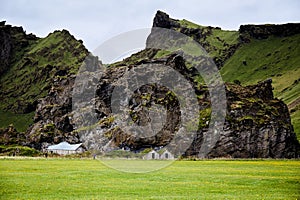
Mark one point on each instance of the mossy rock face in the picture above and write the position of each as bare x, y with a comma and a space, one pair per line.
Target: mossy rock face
248, 32
252, 54
10, 135
32, 68
218, 43
256, 125
14, 42
40, 73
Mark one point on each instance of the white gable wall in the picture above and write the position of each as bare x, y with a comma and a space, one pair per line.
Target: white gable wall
152, 155
166, 155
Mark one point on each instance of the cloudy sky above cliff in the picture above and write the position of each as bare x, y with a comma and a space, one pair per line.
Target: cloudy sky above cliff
95, 21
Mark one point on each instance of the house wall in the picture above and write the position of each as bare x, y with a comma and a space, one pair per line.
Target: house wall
151, 155
62, 152
67, 152
166, 156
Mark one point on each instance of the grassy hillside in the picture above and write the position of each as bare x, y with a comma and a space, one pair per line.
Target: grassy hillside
30, 78
90, 179
20, 121
274, 57
32, 72
217, 42
295, 115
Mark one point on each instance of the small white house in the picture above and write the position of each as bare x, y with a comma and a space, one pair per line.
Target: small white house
166, 155
152, 155
64, 148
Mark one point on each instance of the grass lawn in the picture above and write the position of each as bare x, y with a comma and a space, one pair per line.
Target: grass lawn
90, 179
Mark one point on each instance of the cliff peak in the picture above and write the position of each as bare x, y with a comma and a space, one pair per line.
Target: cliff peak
163, 20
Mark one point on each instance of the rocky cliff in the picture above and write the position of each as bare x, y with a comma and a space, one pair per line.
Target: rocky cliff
257, 125
33, 65
250, 55
34, 70
248, 32
13, 44
218, 43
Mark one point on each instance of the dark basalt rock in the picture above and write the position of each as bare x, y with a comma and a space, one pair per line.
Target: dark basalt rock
163, 20
200, 34
257, 125
264, 31
52, 124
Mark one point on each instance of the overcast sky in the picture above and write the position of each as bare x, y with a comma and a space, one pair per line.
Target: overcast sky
95, 21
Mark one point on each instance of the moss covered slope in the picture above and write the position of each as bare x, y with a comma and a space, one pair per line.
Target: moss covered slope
32, 66
273, 57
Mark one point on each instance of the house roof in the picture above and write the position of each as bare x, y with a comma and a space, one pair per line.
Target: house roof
64, 146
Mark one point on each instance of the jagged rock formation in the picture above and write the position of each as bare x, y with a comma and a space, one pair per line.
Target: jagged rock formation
34, 64
38, 74
13, 42
218, 43
264, 31
51, 120
256, 125
163, 20
10, 136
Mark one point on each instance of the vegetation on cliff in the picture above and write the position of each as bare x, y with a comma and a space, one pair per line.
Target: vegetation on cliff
250, 55
37, 77
33, 64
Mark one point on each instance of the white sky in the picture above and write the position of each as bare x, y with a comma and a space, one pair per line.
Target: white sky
95, 21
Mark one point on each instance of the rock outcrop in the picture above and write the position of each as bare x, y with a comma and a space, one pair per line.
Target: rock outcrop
13, 41
34, 64
163, 20
51, 120
257, 125
10, 136
248, 32
219, 48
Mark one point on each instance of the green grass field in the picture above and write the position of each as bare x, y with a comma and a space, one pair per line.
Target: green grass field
90, 179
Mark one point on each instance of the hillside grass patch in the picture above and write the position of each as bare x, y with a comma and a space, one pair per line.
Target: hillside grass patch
20, 121
275, 57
